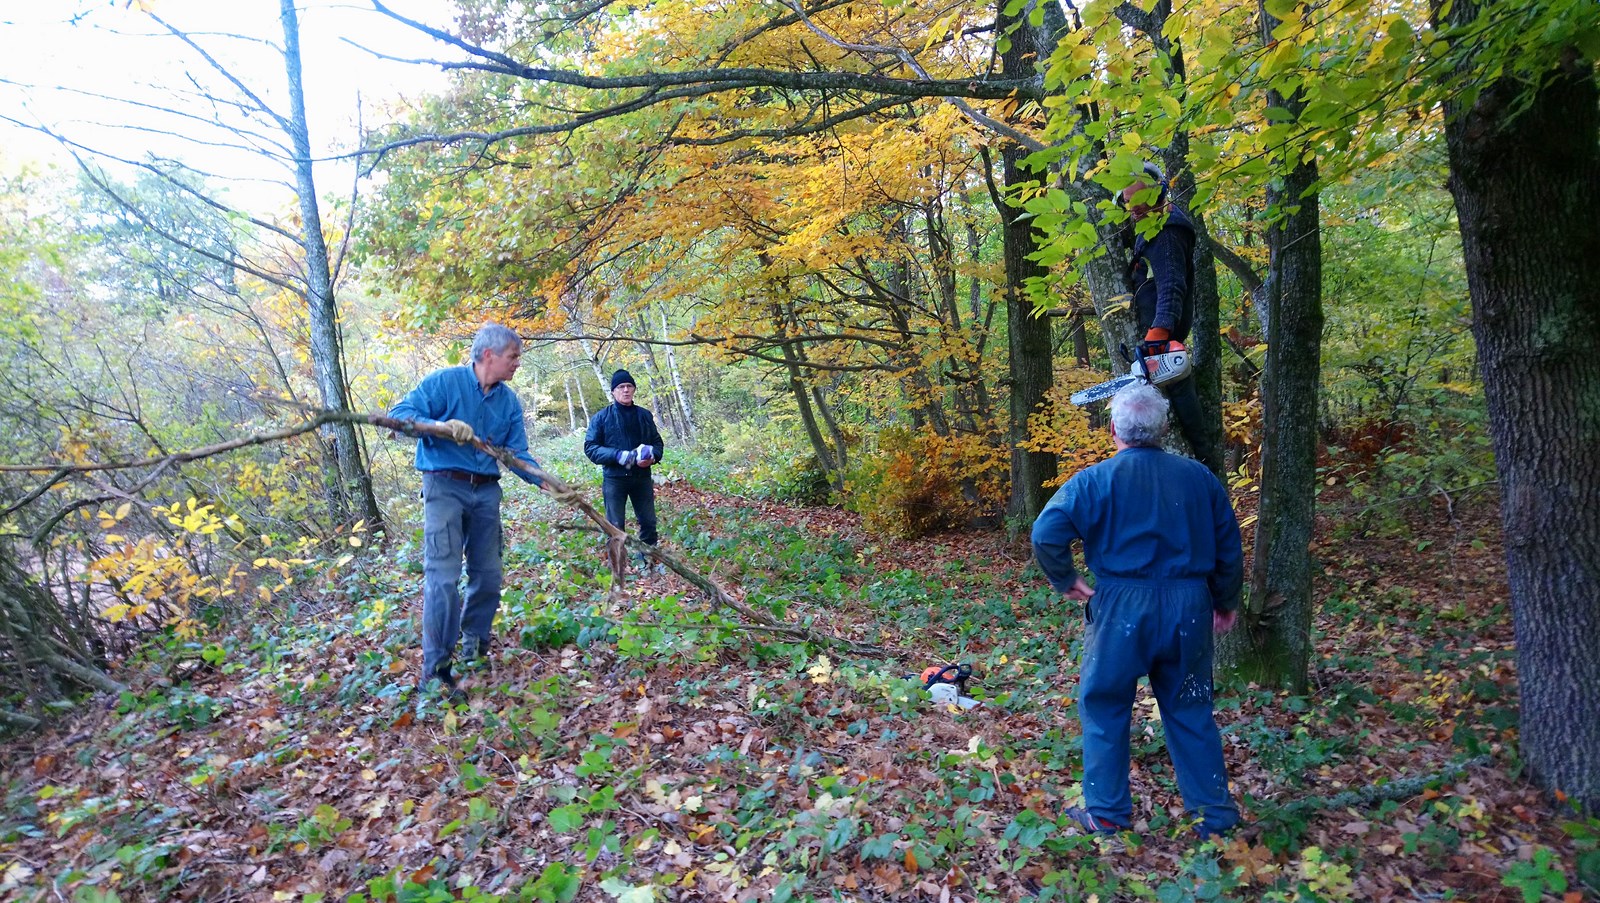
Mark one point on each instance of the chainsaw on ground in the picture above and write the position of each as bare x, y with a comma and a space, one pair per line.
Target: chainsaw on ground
948, 684
1158, 368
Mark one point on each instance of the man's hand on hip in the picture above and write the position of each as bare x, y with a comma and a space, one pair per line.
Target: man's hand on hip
1223, 621
460, 430
1080, 591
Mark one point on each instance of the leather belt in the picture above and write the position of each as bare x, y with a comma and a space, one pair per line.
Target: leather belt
476, 479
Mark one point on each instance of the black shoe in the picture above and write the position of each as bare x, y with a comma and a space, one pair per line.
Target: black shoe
443, 683
1087, 822
475, 655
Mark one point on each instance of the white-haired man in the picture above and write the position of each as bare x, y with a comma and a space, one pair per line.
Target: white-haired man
461, 497
1161, 539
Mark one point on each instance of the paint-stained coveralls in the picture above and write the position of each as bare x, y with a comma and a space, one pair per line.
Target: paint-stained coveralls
1161, 538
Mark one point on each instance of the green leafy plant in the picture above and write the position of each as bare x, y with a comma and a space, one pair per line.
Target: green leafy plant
1536, 876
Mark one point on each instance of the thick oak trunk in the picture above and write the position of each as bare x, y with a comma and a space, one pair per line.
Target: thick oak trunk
1525, 173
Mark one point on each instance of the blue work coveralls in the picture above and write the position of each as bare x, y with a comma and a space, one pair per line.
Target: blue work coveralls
461, 507
1161, 538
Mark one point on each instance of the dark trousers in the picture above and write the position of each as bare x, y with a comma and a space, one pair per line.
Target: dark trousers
1185, 401
1160, 628
637, 488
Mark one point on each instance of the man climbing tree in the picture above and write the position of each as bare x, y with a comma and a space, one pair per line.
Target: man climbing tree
1160, 277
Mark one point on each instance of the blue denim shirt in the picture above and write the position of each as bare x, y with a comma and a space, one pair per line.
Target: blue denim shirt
453, 394
1144, 515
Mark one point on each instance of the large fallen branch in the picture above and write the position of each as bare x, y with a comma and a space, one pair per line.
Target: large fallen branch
720, 599
1396, 790
618, 542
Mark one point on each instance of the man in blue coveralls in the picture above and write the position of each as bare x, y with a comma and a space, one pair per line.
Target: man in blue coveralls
1162, 541
461, 497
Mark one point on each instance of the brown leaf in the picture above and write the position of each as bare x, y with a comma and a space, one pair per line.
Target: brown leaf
1356, 827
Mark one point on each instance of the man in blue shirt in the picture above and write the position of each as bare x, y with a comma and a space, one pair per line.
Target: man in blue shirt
624, 441
1161, 538
461, 497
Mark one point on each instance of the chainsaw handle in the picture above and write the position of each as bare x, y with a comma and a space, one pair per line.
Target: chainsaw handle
949, 674
1148, 350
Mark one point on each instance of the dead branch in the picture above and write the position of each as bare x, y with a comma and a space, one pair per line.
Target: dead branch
617, 540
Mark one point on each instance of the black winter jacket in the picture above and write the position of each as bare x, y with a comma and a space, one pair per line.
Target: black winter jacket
616, 429
1161, 277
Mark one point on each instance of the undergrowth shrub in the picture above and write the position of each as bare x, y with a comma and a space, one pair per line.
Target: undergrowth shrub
769, 460
1396, 465
1066, 430
915, 483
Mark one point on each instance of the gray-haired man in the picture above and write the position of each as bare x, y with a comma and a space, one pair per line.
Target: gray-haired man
461, 497
1160, 536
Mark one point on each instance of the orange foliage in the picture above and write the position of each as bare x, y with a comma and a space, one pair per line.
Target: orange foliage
915, 483
1061, 427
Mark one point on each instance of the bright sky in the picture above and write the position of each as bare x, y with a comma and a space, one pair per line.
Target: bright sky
65, 64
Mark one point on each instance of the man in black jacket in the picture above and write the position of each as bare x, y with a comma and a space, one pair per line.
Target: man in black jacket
624, 441
1161, 279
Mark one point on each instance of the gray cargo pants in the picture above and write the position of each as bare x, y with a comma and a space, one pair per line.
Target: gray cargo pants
460, 521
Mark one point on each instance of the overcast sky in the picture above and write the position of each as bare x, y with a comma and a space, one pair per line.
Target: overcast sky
63, 61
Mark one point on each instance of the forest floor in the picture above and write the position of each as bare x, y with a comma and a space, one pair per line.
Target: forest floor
633, 746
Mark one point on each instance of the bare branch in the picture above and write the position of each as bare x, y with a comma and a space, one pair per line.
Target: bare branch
717, 79
241, 87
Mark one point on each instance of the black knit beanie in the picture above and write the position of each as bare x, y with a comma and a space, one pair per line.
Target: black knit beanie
621, 378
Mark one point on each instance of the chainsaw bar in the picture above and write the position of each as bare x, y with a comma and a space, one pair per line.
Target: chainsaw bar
1104, 390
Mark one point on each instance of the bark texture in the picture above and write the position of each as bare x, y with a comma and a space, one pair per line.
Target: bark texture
1525, 173
1030, 370
350, 493
1274, 648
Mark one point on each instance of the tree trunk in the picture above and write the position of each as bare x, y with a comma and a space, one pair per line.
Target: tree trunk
802, 399
677, 384
600, 375
583, 401
982, 410
662, 401
1029, 365
1525, 174
1274, 646
840, 447
572, 415
350, 488
1274, 649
